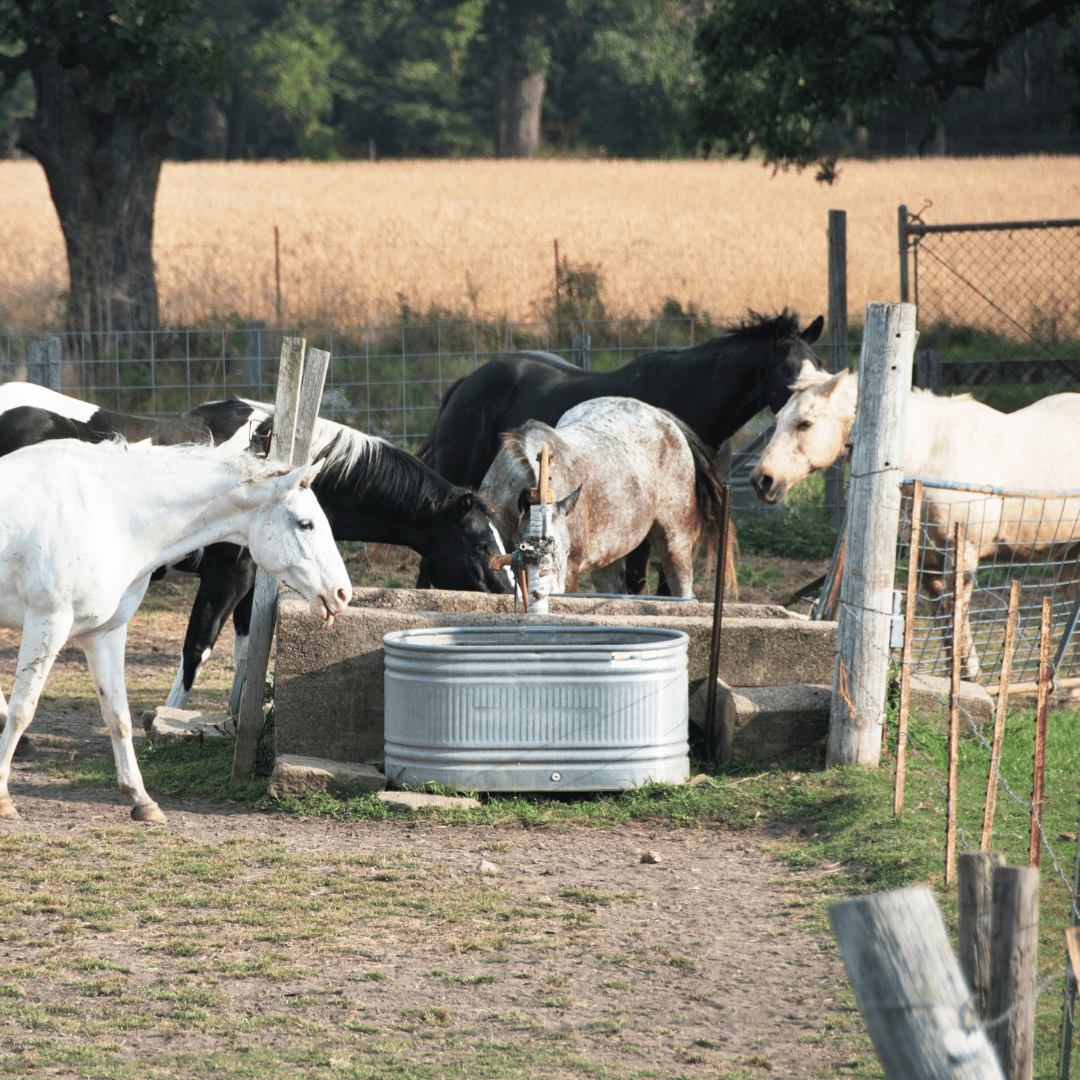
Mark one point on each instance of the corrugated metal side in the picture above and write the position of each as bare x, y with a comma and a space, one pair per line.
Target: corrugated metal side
536, 708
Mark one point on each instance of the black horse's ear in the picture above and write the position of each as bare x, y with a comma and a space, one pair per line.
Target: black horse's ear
813, 331
465, 504
523, 502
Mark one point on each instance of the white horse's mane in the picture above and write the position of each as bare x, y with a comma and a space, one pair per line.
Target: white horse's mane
247, 467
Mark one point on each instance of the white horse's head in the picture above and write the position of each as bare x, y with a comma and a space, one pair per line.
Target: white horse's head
290, 538
811, 431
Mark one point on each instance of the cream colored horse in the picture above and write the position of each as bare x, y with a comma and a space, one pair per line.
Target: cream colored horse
957, 439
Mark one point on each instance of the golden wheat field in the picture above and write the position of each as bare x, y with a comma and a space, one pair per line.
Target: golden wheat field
477, 236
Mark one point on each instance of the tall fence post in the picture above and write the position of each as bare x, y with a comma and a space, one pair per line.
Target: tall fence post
837, 359
44, 357
579, 350
296, 408
1013, 943
910, 988
865, 616
973, 925
901, 222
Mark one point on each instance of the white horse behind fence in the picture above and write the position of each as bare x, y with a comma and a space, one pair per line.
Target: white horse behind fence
1035, 449
83, 528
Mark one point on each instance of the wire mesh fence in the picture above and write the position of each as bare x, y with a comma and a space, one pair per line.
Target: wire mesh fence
1013, 279
385, 380
1029, 537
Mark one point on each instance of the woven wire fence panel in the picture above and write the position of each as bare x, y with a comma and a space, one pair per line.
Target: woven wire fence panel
385, 380
1030, 537
1017, 280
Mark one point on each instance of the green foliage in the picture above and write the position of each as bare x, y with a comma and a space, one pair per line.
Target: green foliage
774, 75
802, 530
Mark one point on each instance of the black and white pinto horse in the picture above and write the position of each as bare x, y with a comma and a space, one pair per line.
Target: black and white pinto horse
369, 490
714, 388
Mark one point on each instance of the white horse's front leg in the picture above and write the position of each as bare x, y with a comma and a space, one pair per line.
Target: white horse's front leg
42, 639
105, 657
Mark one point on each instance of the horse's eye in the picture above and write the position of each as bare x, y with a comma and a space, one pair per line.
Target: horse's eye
307, 525
804, 425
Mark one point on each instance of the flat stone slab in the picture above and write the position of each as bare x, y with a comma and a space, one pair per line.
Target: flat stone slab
765, 722
930, 702
420, 800
165, 722
297, 775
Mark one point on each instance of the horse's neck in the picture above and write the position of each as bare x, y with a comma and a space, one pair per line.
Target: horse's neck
184, 504
929, 427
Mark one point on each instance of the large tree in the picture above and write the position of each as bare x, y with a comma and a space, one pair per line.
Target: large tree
775, 73
110, 77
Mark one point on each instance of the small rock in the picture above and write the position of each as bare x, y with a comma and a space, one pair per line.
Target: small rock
297, 775
489, 868
650, 857
1070, 836
421, 800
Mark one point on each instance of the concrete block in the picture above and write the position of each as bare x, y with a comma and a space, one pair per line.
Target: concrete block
296, 775
329, 683
167, 723
421, 800
765, 722
930, 702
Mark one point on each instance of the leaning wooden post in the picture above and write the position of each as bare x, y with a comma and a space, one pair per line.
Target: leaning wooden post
1042, 707
953, 781
1013, 942
911, 989
712, 744
1072, 970
837, 355
862, 637
295, 411
973, 925
999, 715
905, 655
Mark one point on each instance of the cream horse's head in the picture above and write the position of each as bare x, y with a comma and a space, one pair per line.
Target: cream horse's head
811, 432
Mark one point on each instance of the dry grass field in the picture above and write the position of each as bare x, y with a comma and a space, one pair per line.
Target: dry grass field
476, 236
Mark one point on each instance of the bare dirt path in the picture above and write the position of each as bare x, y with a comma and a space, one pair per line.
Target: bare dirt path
701, 964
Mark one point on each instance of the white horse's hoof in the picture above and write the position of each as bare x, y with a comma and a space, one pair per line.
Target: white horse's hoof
7, 808
148, 812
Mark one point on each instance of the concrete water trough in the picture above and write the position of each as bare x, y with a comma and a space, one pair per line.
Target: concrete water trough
330, 694
536, 708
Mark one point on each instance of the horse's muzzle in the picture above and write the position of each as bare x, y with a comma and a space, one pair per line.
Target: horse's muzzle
766, 488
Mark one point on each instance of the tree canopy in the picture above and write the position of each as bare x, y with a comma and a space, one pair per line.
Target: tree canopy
774, 74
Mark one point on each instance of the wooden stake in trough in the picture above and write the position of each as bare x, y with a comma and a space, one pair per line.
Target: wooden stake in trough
711, 742
296, 407
999, 715
1042, 705
959, 538
905, 656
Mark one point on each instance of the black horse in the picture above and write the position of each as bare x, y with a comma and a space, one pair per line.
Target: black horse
369, 489
714, 388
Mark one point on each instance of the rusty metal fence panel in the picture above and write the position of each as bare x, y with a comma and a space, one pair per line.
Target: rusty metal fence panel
1039, 546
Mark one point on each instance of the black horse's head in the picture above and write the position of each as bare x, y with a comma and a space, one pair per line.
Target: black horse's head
460, 548
789, 350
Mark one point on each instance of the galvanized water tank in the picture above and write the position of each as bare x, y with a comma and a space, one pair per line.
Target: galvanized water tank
536, 708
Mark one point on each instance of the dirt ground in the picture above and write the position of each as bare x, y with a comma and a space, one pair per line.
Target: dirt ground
710, 966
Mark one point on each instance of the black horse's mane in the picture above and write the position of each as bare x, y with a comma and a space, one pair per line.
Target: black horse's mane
757, 327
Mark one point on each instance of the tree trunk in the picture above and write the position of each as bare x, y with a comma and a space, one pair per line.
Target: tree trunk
518, 102
102, 159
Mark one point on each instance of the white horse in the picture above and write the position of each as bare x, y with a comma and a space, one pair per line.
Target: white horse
83, 528
957, 439
621, 472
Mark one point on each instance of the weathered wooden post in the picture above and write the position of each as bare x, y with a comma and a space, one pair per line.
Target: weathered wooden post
837, 355
579, 350
253, 339
43, 362
973, 928
862, 640
299, 393
911, 989
1013, 943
